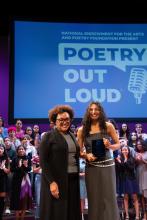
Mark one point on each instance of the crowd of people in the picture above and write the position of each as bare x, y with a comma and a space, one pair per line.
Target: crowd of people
59, 170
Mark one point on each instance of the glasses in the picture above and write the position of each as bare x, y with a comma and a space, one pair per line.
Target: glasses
62, 120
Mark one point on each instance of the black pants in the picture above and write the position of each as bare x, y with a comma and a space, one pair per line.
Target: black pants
74, 210
1, 207
71, 205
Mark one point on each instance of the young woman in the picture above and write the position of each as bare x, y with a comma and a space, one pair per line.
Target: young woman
21, 196
100, 170
126, 167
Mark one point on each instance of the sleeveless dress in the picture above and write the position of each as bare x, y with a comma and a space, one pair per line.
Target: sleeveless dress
101, 184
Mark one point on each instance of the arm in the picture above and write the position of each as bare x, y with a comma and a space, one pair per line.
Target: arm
45, 151
5, 166
129, 164
45, 157
27, 165
83, 154
36, 169
81, 142
112, 132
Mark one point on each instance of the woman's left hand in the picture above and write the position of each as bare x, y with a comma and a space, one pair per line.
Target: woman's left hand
54, 190
107, 143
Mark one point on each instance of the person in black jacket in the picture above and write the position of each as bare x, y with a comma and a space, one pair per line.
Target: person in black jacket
59, 160
21, 194
125, 165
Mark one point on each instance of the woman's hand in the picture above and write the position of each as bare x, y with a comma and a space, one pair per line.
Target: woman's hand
107, 143
138, 156
25, 163
81, 174
118, 159
54, 190
90, 157
20, 163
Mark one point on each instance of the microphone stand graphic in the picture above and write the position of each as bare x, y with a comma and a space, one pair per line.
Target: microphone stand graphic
138, 83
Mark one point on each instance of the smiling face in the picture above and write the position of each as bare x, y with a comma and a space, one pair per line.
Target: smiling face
94, 112
125, 150
63, 122
139, 146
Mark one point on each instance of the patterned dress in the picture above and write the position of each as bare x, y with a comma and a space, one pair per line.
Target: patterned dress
21, 195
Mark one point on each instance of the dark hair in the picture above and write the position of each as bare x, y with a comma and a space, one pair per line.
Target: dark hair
121, 154
87, 120
124, 133
5, 156
17, 149
59, 109
112, 121
24, 157
143, 143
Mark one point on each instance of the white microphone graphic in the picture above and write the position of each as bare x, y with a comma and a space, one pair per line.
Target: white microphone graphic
138, 83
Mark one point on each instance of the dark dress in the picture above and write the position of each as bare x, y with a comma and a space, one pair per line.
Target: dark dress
3, 176
101, 184
21, 195
126, 178
54, 164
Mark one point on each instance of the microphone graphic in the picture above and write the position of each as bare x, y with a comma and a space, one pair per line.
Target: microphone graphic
138, 83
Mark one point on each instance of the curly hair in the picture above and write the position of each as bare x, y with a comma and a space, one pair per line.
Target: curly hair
59, 109
86, 122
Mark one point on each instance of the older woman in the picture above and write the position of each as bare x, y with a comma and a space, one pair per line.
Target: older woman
59, 158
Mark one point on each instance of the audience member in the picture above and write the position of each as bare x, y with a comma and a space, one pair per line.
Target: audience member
3, 130
21, 196
19, 130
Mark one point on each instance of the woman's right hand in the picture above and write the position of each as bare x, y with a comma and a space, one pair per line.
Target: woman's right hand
90, 157
54, 190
